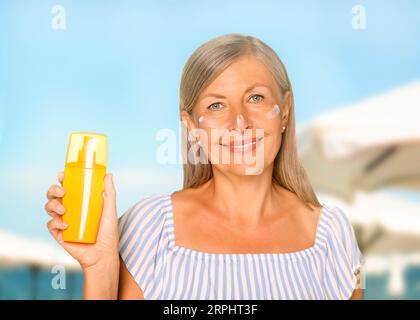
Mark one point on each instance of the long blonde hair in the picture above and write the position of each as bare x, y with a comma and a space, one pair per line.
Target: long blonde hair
204, 65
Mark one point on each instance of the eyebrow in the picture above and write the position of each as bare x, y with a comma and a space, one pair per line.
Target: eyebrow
217, 95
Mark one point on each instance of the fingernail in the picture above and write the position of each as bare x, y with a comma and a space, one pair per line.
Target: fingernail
61, 209
65, 225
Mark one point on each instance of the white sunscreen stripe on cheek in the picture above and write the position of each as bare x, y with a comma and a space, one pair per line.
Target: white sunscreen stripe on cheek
201, 119
274, 112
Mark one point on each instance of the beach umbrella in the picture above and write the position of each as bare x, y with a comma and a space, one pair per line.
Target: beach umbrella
18, 250
387, 229
384, 222
365, 146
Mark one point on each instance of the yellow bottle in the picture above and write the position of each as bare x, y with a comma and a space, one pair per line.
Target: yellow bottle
84, 174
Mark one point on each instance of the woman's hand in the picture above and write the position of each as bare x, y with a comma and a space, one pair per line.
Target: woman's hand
90, 256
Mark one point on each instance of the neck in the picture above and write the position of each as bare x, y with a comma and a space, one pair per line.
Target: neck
243, 199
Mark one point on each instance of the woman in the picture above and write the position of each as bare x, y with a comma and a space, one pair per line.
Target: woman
238, 229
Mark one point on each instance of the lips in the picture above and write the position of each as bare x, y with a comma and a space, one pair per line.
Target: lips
242, 145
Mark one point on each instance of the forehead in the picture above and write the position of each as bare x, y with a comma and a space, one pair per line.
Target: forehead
242, 73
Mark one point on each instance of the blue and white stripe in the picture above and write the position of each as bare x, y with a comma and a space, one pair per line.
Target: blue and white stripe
164, 270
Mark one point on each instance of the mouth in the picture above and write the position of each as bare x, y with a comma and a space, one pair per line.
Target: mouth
242, 145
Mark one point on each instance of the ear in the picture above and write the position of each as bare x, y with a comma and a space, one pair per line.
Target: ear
287, 105
187, 120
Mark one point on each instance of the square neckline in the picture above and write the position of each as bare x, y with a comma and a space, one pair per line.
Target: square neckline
294, 255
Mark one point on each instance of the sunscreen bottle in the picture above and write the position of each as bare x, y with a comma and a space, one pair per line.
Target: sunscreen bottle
84, 174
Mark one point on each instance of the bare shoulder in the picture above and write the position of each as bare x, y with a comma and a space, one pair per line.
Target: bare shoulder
185, 198
305, 215
182, 195
186, 203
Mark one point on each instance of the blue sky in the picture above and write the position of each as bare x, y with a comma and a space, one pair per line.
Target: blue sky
116, 70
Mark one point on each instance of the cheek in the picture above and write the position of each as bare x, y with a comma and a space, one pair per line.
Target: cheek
212, 136
210, 140
272, 128
273, 140
272, 146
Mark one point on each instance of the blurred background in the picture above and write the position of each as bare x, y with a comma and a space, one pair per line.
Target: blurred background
114, 67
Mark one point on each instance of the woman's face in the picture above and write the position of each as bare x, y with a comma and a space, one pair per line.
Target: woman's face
239, 118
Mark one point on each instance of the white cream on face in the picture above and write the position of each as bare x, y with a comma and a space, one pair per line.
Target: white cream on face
273, 112
201, 119
240, 121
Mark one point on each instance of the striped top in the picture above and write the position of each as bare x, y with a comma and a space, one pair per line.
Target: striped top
164, 270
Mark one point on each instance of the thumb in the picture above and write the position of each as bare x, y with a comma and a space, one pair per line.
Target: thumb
109, 195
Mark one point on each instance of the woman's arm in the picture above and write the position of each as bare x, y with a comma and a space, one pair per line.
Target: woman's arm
110, 280
358, 292
101, 280
128, 288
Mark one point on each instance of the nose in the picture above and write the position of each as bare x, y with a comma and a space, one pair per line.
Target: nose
241, 122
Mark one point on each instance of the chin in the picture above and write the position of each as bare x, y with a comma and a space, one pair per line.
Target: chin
242, 169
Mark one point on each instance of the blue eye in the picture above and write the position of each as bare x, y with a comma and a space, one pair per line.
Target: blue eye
256, 98
215, 106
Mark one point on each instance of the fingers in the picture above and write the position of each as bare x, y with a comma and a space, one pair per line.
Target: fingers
55, 226
54, 207
57, 234
55, 191
56, 223
109, 185
109, 195
60, 177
